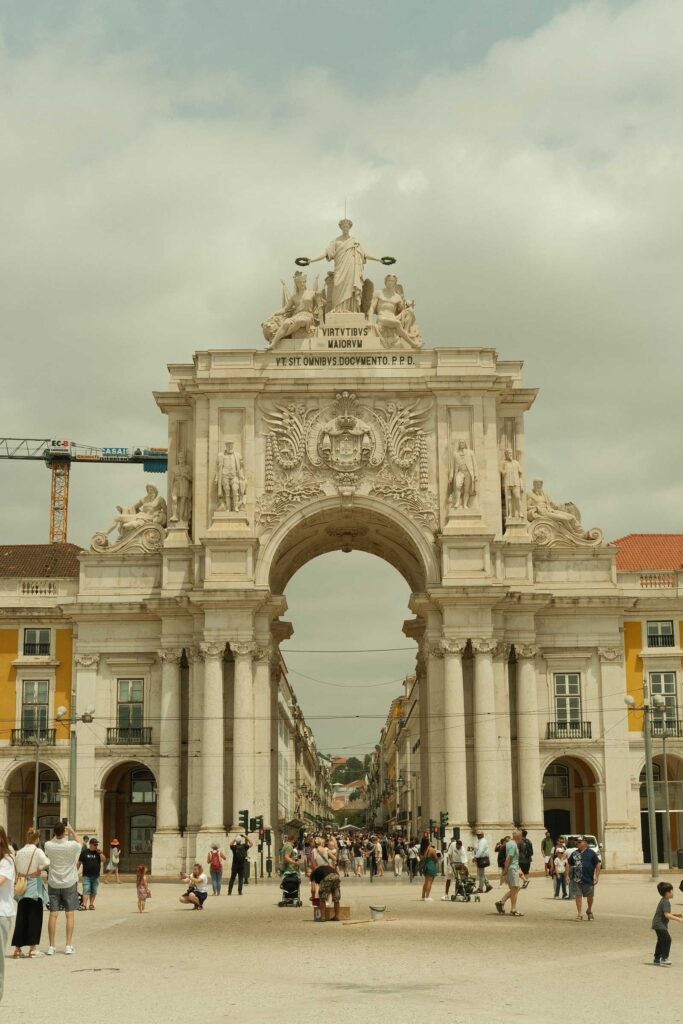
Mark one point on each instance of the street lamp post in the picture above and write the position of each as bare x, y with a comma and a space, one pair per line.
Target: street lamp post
667, 809
86, 717
646, 708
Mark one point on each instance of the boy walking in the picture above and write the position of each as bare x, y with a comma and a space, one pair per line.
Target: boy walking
660, 924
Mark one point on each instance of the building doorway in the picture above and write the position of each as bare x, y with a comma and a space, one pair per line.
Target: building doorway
129, 813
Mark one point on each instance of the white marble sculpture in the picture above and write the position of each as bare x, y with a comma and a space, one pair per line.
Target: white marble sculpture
181, 491
511, 472
395, 316
141, 527
230, 481
464, 476
349, 259
554, 524
300, 312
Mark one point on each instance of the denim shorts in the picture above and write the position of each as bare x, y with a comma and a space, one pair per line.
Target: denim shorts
91, 885
63, 899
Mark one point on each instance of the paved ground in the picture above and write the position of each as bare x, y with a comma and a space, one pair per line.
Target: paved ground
441, 961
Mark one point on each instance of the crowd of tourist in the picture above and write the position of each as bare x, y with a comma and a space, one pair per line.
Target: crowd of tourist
33, 879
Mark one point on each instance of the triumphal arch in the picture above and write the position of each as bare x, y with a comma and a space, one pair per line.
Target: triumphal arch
342, 428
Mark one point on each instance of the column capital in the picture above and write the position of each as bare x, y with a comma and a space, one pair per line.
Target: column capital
243, 648
611, 655
451, 646
485, 645
211, 649
170, 655
434, 650
262, 652
87, 660
526, 651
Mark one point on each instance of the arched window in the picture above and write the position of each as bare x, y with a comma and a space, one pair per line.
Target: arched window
656, 776
556, 781
142, 786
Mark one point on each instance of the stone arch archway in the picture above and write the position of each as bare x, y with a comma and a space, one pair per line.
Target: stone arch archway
129, 795
19, 785
571, 796
366, 525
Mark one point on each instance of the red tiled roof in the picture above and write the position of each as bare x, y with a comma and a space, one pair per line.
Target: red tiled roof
39, 561
649, 551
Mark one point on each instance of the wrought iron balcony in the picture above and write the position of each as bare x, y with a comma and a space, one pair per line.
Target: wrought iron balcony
129, 736
36, 649
29, 737
569, 731
660, 640
670, 726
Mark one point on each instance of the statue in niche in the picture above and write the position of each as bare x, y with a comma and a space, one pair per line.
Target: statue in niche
395, 316
554, 524
464, 476
301, 311
349, 260
230, 481
139, 525
181, 491
511, 473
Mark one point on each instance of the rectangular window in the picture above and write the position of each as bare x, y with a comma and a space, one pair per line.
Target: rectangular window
130, 709
660, 634
34, 708
664, 683
568, 698
37, 641
556, 782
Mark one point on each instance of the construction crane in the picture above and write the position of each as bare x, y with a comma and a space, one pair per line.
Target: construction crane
58, 456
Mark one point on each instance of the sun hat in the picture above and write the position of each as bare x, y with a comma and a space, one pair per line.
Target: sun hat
115, 842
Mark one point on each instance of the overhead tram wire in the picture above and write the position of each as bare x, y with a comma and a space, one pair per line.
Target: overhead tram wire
349, 650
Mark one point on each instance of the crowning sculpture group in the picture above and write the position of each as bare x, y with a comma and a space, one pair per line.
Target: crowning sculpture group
336, 443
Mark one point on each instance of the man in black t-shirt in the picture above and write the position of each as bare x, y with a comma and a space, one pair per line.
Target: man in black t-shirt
240, 850
92, 860
584, 867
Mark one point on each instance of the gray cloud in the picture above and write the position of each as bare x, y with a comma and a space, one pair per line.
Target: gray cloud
530, 193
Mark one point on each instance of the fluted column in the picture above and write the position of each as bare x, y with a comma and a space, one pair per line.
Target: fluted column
213, 733
455, 753
528, 753
435, 724
262, 735
194, 737
168, 782
501, 679
242, 730
485, 733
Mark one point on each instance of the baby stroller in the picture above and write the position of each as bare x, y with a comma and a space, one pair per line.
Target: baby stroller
290, 885
465, 887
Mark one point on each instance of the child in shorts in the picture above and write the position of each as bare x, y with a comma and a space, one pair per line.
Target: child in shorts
660, 924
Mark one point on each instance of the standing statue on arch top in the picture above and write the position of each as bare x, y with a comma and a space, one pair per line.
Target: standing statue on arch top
347, 286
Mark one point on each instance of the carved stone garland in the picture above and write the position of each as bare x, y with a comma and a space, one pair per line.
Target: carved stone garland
343, 448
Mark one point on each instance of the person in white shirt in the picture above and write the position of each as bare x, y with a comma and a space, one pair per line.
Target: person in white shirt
7, 904
481, 857
62, 883
456, 857
197, 890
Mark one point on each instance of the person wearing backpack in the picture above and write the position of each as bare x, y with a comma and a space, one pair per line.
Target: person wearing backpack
526, 853
215, 862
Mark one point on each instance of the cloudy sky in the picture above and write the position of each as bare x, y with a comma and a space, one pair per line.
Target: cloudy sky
162, 162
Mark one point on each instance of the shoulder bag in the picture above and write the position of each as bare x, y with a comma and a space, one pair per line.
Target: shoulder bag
21, 881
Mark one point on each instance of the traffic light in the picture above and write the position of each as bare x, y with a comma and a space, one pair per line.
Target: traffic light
432, 826
268, 837
443, 821
244, 820
259, 822
252, 824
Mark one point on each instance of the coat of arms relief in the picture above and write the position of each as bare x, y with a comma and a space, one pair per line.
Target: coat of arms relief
347, 447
